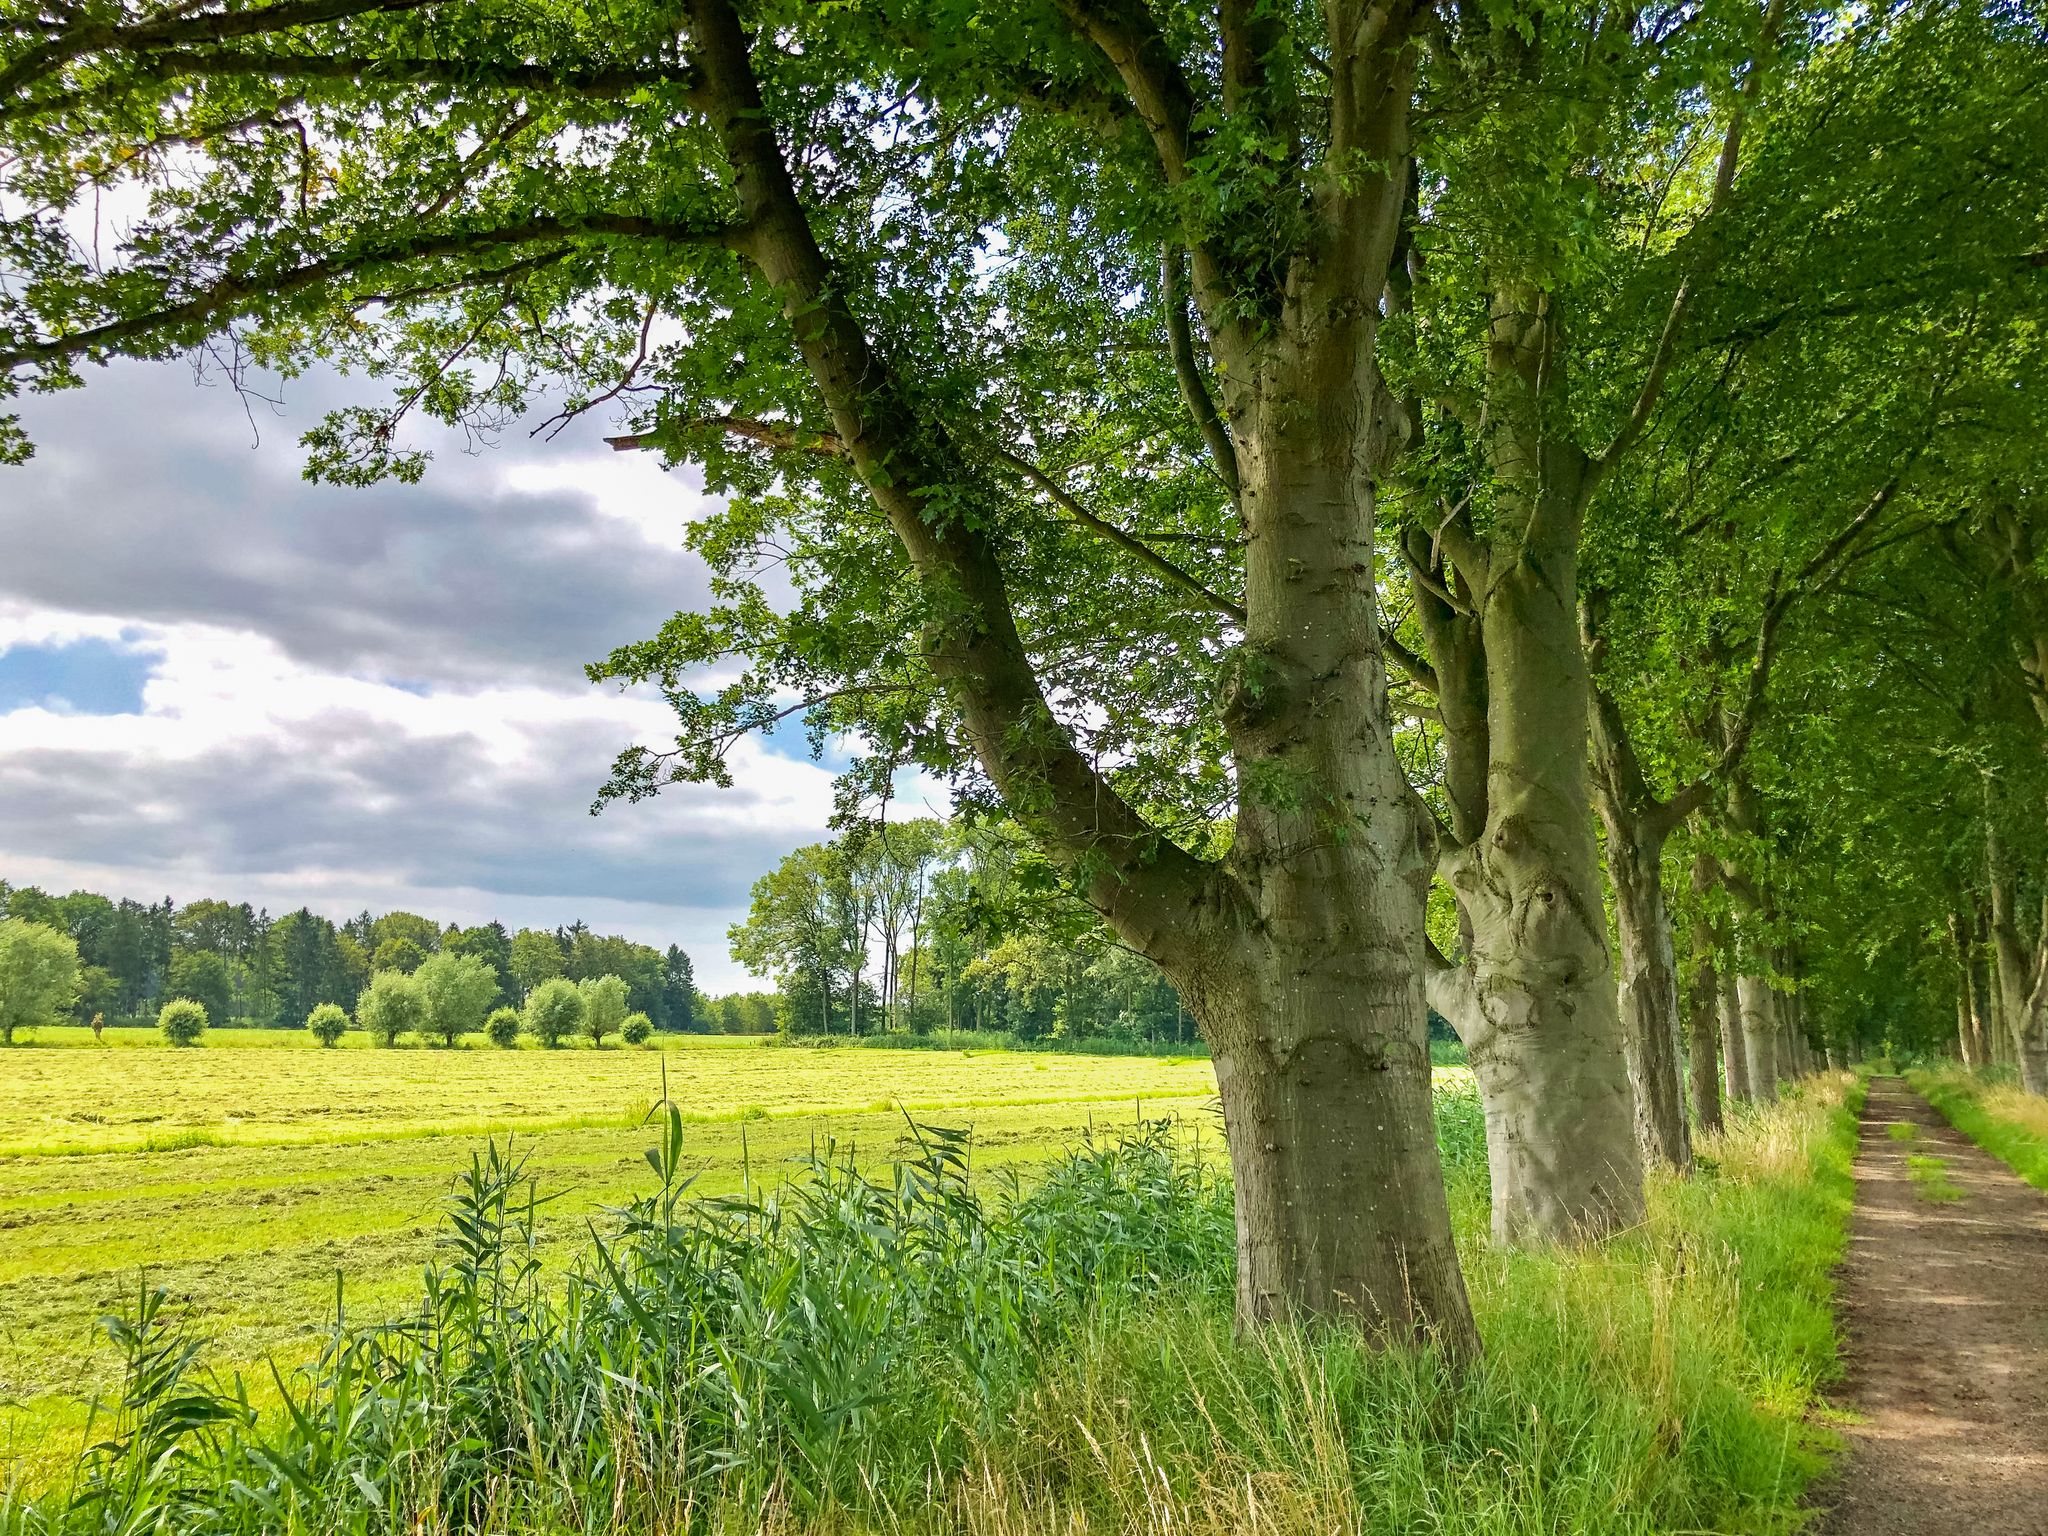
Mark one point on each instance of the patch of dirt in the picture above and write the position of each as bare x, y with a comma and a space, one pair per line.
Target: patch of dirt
1946, 1313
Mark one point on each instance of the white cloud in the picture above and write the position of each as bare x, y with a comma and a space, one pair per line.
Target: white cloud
362, 698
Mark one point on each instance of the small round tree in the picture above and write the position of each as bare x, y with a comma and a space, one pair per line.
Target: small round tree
604, 1006
182, 1021
459, 990
391, 1005
504, 1026
554, 1011
328, 1022
637, 1028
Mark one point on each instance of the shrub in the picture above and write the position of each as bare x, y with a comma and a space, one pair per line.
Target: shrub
182, 1021
554, 1011
459, 990
604, 1006
328, 1022
504, 1026
393, 1004
637, 1028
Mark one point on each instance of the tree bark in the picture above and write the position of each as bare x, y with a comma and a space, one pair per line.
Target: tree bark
1703, 1028
1734, 1048
1301, 954
1648, 997
1759, 1035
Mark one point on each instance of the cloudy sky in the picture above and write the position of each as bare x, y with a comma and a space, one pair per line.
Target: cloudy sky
216, 679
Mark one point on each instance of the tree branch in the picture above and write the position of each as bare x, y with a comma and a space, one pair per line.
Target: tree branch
1682, 299
225, 297
1180, 341
1102, 527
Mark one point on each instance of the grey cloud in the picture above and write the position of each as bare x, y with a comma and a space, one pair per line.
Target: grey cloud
345, 793
146, 500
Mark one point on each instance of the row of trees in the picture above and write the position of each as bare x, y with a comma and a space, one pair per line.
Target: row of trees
923, 925
1391, 499
248, 968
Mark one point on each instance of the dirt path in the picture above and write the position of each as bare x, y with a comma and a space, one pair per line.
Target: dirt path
1946, 1311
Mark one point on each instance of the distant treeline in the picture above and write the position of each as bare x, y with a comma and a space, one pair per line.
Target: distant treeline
252, 969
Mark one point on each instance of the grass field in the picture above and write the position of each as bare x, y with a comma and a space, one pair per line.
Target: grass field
245, 1176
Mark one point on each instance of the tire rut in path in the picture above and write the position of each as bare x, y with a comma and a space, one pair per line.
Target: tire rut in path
1945, 1306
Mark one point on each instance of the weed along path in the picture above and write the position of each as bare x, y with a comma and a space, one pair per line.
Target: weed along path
1945, 1300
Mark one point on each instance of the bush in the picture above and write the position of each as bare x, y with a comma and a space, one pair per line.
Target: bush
393, 1004
328, 1022
554, 1011
504, 1027
604, 1006
181, 1021
637, 1028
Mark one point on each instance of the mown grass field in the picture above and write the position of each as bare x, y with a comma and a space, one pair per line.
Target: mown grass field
246, 1176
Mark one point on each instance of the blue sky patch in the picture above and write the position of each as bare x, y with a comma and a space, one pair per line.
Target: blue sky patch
86, 677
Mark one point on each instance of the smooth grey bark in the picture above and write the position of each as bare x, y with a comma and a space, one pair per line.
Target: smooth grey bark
1301, 955
1759, 1035
1637, 824
2022, 970
1734, 1049
1703, 1032
1648, 994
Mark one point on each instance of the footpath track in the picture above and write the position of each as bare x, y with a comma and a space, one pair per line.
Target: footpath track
1944, 1295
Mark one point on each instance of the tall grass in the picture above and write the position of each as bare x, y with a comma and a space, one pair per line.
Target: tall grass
2003, 1119
927, 1351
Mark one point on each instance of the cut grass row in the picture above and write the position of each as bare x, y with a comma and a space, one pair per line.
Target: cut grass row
64, 1102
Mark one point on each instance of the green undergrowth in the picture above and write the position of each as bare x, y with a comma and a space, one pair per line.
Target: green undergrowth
1931, 1181
917, 1351
2002, 1119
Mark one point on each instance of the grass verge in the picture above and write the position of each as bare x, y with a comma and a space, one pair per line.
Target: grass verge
917, 1352
2009, 1124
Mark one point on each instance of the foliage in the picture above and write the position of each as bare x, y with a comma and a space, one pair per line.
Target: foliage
458, 990
329, 1022
554, 1010
38, 975
392, 1006
181, 1021
604, 1006
638, 1029
504, 1027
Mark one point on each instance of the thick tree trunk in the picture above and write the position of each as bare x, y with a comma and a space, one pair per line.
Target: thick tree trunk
1734, 1049
1325, 1086
1302, 953
1648, 996
1536, 988
1759, 1036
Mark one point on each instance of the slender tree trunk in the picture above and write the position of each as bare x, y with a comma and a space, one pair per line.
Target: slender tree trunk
1734, 1047
1703, 1027
1648, 996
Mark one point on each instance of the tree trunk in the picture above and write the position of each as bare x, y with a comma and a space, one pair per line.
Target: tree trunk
1327, 1101
1734, 1048
1648, 996
1703, 1027
1759, 1036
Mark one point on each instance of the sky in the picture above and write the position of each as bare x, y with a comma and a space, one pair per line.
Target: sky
219, 680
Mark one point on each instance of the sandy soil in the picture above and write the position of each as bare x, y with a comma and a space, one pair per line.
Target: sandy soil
1946, 1310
